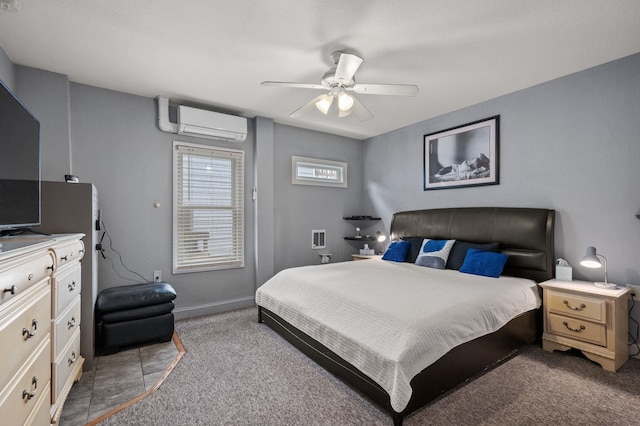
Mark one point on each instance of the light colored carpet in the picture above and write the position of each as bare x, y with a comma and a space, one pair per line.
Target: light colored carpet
239, 372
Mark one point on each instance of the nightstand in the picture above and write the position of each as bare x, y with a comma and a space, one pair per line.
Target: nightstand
365, 257
579, 315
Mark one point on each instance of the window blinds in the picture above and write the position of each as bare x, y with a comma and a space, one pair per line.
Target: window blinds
208, 220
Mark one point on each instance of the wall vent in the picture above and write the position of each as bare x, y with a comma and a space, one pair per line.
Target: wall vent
318, 239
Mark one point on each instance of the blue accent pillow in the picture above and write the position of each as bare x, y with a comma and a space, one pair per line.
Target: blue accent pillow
397, 251
434, 253
459, 252
486, 263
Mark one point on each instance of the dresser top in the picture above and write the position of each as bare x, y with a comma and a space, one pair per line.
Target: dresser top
20, 244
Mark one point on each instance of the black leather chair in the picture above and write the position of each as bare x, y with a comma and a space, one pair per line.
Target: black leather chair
134, 314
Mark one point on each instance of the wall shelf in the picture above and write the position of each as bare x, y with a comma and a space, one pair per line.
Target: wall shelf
361, 218
363, 238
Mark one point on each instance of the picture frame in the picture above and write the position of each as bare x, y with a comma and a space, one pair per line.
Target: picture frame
463, 156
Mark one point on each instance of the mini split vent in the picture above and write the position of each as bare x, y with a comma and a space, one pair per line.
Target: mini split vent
202, 123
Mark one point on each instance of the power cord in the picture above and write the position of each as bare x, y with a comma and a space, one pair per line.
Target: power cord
634, 339
100, 248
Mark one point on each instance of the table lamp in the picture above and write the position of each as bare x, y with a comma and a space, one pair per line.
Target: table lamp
592, 260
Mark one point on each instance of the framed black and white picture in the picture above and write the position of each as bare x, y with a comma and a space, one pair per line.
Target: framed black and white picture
462, 156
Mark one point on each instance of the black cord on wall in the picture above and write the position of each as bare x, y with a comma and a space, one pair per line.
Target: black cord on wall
634, 339
113, 266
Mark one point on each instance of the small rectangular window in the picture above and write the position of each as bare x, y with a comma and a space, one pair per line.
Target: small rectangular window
314, 171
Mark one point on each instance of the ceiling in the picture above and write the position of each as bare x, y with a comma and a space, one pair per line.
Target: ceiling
215, 53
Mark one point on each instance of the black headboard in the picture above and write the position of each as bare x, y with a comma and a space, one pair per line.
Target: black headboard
526, 235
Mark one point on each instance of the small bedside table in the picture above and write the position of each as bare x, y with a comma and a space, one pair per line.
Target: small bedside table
579, 315
363, 257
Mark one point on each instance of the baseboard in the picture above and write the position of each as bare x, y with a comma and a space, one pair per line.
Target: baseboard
213, 308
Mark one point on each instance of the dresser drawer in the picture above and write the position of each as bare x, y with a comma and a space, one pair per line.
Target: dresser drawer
578, 306
64, 326
20, 398
23, 328
578, 329
64, 366
66, 287
18, 277
68, 253
41, 414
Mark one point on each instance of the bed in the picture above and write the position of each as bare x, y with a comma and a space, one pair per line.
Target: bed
347, 333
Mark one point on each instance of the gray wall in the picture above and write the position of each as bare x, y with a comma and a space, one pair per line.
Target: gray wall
46, 95
116, 145
572, 144
300, 208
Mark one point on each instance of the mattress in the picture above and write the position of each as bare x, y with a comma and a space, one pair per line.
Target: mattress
391, 320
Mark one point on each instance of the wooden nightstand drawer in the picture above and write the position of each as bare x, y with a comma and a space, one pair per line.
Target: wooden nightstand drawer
578, 306
580, 315
578, 329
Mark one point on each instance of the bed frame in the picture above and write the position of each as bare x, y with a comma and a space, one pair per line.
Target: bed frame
526, 235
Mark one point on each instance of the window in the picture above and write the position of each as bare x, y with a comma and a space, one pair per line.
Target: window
208, 203
313, 171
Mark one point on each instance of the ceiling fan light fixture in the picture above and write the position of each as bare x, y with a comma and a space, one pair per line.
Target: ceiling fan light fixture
345, 102
343, 113
324, 104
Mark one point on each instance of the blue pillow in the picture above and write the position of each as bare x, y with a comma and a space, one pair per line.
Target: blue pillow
397, 251
434, 253
486, 263
459, 251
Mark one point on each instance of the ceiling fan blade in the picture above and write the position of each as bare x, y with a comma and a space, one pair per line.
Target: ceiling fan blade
360, 111
296, 85
308, 107
347, 66
385, 89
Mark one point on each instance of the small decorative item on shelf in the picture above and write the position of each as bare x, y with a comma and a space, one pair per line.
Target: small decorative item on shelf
358, 233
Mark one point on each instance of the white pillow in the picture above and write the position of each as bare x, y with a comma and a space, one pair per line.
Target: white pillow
434, 253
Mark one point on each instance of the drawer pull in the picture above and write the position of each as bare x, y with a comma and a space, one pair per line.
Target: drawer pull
576, 330
71, 323
52, 267
30, 277
63, 257
13, 289
29, 334
72, 360
72, 286
26, 395
573, 308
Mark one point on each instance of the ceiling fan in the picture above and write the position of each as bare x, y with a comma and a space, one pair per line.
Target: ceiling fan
339, 82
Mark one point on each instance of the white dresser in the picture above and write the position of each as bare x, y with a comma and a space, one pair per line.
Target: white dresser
66, 362
39, 322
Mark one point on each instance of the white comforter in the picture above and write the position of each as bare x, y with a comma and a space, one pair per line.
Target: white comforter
391, 320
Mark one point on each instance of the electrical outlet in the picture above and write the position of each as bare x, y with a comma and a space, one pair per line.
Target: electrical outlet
635, 289
157, 276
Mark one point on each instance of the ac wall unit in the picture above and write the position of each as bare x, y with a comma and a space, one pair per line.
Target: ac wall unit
212, 125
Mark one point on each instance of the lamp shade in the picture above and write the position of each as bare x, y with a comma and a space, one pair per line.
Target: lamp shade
590, 259
324, 104
381, 236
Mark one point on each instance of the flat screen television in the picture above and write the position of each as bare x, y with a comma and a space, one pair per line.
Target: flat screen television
19, 165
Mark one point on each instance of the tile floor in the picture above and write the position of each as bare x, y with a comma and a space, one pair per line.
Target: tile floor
116, 379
